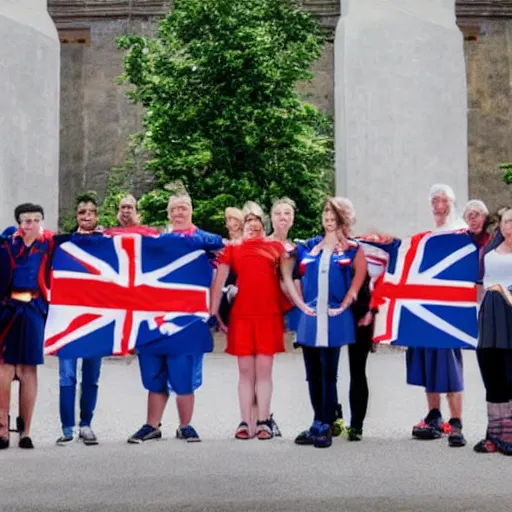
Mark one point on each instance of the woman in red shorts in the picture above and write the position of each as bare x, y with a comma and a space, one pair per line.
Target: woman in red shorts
256, 326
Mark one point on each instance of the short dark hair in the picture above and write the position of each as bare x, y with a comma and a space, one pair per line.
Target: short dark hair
87, 197
27, 208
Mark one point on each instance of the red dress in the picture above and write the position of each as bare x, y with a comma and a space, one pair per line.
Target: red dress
256, 325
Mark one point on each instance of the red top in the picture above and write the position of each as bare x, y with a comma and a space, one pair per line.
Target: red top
132, 230
256, 263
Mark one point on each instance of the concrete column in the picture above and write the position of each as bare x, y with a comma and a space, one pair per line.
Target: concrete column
29, 109
400, 110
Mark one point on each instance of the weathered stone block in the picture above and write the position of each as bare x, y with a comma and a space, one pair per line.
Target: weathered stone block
400, 106
29, 108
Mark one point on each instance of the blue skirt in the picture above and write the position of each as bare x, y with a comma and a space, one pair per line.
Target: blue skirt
22, 332
438, 370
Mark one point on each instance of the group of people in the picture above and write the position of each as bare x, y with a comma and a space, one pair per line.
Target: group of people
264, 283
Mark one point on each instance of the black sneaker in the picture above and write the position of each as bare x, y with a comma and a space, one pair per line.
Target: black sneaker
188, 434
4, 443
338, 427
355, 434
145, 433
275, 428
307, 437
456, 437
26, 443
64, 440
429, 428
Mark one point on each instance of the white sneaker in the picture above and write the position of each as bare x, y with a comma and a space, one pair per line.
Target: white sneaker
88, 436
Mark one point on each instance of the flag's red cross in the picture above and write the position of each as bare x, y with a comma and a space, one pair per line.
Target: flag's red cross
131, 298
422, 292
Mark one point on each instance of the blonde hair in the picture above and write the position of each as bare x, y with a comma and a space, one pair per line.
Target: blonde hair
185, 198
128, 198
344, 211
283, 201
235, 213
254, 209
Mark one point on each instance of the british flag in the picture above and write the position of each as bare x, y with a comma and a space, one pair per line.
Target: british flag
427, 296
114, 295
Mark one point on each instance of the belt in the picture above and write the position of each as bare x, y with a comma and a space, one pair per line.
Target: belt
22, 296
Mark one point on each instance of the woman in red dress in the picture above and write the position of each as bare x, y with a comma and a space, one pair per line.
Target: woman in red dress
256, 327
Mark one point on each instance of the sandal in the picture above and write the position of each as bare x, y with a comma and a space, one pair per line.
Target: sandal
242, 431
264, 430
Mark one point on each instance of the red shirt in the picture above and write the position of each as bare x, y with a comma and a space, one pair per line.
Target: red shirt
256, 263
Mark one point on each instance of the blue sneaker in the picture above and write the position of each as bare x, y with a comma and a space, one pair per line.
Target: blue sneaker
188, 433
324, 437
145, 433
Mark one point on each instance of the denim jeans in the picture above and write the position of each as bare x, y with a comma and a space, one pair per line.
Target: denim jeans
322, 373
88, 396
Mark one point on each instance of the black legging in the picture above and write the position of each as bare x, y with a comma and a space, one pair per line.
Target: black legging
322, 374
358, 393
496, 369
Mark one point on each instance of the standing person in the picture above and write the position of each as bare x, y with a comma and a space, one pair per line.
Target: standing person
494, 351
357, 352
333, 272
256, 327
23, 316
181, 374
87, 224
438, 370
235, 225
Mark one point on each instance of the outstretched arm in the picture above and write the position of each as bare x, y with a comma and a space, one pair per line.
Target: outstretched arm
216, 292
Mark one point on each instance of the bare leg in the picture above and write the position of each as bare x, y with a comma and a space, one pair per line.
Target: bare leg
28, 395
156, 407
455, 404
434, 401
246, 387
6, 376
264, 385
254, 415
185, 405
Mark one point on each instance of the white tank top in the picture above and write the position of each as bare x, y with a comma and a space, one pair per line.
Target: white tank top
498, 269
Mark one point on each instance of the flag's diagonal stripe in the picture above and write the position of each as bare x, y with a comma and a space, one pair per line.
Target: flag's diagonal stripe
77, 329
88, 260
158, 273
446, 262
441, 324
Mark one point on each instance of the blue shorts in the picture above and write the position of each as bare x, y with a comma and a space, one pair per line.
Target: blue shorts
181, 374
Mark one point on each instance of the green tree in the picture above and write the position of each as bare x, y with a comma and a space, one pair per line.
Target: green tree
222, 115
507, 175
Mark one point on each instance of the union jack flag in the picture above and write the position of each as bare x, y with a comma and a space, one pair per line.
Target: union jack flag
427, 296
112, 295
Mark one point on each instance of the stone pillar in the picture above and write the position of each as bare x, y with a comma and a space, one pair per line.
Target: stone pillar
400, 110
29, 109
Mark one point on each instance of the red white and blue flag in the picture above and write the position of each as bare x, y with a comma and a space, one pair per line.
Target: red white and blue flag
115, 295
427, 295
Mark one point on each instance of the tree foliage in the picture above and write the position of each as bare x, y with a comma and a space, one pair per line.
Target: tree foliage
221, 112
507, 175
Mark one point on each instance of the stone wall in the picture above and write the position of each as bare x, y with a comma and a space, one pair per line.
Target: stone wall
97, 119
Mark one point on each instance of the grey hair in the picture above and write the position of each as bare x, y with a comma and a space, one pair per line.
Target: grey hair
475, 204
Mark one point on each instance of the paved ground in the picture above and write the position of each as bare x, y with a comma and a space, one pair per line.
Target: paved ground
387, 471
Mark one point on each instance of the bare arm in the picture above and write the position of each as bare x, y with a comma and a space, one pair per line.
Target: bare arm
360, 271
216, 289
287, 265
